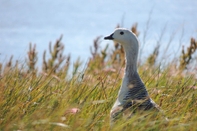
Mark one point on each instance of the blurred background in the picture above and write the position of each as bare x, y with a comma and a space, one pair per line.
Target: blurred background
81, 21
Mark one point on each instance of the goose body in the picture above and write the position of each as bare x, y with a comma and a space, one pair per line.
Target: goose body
132, 94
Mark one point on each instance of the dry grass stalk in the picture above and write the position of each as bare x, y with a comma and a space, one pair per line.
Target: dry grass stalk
186, 56
32, 58
56, 57
152, 58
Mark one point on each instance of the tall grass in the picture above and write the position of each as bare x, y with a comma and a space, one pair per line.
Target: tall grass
48, 99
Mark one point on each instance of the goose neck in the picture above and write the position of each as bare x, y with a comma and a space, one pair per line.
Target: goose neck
131, 61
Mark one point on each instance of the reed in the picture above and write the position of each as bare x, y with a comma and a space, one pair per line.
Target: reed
52, 99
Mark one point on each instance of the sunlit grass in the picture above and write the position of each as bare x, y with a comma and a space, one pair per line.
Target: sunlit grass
51, 99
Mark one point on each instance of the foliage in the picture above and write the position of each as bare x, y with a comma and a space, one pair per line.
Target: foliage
186, 57
48, 99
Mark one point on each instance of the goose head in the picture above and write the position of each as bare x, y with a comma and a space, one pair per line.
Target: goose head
124, 37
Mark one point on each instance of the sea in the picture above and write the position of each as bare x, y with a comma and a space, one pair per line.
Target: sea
170, 23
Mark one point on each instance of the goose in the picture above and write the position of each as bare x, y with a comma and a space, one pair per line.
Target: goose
132, 94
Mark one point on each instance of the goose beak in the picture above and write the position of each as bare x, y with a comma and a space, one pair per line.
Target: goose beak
109, 37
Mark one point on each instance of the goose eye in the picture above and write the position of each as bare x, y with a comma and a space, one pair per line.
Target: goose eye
121, 33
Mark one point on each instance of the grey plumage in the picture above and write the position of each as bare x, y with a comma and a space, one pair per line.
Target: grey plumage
132, 95
137, 91
137, 97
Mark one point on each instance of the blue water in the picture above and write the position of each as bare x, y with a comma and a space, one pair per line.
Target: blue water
81, 21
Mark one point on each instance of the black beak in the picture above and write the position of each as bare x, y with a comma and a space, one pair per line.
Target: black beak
109, 37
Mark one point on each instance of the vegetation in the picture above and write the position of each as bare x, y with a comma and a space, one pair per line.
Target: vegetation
50, 98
